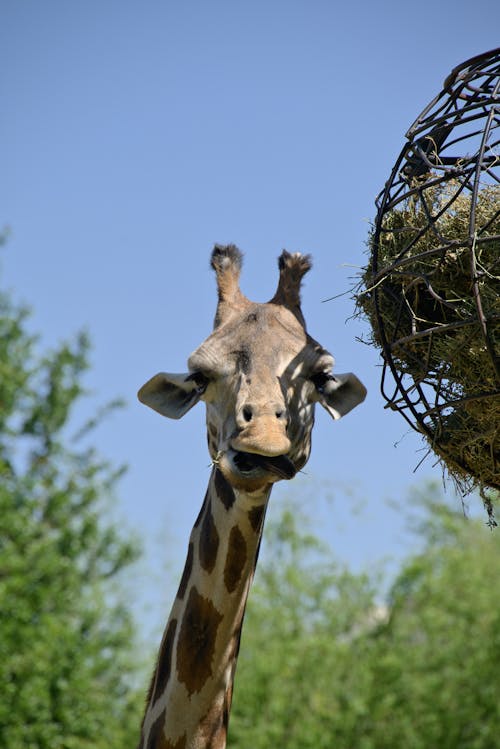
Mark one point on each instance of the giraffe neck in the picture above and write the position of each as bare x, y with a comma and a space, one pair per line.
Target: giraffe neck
190, 694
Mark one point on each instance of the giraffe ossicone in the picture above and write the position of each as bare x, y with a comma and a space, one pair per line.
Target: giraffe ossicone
260, 375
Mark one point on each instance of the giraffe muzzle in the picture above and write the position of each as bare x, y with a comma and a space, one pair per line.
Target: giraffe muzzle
249, 463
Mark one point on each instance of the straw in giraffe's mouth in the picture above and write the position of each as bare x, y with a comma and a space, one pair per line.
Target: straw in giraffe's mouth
280, 465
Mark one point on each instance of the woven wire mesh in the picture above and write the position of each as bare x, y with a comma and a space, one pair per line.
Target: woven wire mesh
431, 290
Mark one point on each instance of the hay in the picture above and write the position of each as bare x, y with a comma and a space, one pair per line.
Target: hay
432, 297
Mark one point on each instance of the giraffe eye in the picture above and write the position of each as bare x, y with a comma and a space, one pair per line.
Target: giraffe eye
321, 380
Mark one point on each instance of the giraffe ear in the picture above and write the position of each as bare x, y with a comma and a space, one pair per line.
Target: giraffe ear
172, 395
340, 393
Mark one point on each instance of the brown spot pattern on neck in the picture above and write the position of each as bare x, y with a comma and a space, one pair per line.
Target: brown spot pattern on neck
209, 541
256, 517
196, 643
235, 560
186, 574
224, 490
164, 662
202, 509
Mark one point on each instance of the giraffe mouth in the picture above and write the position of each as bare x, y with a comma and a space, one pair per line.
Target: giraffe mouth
249, 463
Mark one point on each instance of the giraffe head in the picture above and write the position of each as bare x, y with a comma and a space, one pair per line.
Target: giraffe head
260, 375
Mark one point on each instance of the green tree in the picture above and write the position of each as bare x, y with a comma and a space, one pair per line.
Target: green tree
297, 683
66, 674
323, 666
438, 659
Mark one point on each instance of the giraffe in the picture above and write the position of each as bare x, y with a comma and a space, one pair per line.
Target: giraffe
260, 375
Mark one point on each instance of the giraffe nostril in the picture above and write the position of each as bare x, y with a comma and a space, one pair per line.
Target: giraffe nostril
280, 414
247, 413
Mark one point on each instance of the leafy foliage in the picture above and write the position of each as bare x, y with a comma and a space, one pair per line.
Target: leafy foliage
65, 637
296, 671
323, 665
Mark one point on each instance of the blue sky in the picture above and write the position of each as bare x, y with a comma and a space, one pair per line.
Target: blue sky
135, 135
